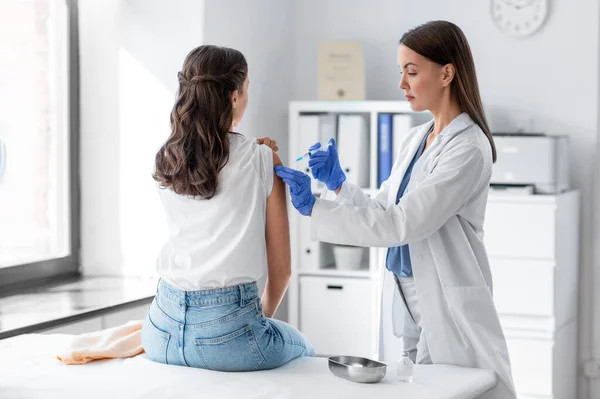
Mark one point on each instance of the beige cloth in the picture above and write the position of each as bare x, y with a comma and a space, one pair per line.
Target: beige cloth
117, 342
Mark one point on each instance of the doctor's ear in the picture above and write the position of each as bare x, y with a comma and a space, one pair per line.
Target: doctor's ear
448, 72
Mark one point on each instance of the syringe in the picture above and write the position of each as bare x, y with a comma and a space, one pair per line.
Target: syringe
311, 152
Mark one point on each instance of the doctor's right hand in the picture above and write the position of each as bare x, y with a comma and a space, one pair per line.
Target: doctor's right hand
325, 166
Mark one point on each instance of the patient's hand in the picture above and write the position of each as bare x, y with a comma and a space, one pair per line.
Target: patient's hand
268, 142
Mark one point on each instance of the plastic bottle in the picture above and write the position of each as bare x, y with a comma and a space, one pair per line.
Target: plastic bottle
404, 372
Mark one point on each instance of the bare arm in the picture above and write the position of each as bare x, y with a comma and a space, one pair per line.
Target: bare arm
278, 245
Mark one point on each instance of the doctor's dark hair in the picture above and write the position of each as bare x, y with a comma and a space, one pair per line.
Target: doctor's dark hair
197, 149
445, 43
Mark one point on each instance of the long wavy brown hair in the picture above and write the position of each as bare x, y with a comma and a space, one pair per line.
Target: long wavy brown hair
445, 43
190, 160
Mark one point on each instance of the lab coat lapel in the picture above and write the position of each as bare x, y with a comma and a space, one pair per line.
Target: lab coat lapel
457, 126
425, 164
404, 160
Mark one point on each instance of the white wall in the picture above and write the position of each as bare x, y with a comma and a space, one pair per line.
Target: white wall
262, 30
378, 24
547, 83
130, 52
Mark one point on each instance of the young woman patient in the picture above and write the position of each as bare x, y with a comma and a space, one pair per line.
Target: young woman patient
228, 224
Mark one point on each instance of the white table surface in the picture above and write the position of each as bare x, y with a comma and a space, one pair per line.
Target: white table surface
29, 369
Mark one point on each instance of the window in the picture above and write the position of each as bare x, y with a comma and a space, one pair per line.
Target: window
38, 139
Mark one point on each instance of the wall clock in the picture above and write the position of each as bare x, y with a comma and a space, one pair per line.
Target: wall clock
519, 18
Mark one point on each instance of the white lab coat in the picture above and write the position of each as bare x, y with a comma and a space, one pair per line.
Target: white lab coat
441, 216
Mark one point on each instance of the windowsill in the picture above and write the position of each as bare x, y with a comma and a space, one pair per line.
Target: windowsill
41, 308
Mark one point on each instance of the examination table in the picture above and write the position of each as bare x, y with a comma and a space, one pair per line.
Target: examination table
29, 369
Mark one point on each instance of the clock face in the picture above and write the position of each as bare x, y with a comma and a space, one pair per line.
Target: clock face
519, 17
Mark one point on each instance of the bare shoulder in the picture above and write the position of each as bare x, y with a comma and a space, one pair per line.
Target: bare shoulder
276, 159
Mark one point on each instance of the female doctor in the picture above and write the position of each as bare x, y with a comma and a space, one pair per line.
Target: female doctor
429, 213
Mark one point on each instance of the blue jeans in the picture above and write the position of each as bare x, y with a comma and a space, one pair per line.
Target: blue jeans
219, 329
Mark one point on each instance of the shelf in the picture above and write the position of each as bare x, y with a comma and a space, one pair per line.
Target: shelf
297, 107
502, 196
309, 122
331, 272
369, 191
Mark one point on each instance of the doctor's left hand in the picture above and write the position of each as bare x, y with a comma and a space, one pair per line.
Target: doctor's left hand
300, 190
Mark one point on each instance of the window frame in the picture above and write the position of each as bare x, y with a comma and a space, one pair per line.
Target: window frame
27, 274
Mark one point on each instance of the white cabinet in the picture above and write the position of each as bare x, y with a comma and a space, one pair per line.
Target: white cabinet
519, 228
544, 363
336, 315
313, 255
532, 243
337, 308
515, 280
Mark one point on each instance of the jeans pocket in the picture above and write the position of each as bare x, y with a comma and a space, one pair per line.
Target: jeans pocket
260, 312
236, 351
155, 341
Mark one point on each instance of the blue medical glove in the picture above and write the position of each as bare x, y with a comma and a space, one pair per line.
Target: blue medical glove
302, 196
325, 166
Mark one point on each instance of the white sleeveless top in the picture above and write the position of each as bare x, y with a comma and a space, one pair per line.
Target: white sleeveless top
220, 242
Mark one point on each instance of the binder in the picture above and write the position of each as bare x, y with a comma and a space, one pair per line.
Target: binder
353, 148
308, 134
314, 255
313, 129
384, 130
401, 125
328, 128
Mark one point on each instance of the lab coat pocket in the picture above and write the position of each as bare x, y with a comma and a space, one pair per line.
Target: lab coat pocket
155, 341
475, 316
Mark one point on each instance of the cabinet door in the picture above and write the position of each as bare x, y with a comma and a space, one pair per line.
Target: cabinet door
78, 327
119, 318
336, 315
520, 230
532, 364
543, 364
523, 287
308, 134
